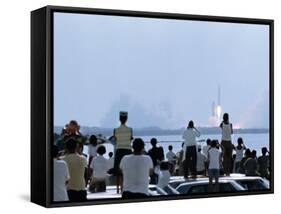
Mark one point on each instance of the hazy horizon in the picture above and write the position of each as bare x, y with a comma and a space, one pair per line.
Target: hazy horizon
163, 72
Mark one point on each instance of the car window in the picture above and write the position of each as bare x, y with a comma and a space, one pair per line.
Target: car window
198, 189
252, 184
226, 187
175, 184
168, 190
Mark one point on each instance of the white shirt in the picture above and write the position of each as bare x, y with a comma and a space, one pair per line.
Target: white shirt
205, 149
201, 159
135, 170
163, 178
189, 137
99, 165
226, 132
170, 156
214, 158
110, 162
61, 175
92, 150
239, 154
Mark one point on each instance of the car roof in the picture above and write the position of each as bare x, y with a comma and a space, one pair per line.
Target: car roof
205, 182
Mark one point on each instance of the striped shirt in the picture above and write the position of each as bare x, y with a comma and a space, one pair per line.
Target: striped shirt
123, 136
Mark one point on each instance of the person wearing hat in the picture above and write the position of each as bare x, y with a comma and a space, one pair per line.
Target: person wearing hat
123, 135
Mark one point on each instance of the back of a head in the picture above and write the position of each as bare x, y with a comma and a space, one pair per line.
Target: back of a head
248, 153
264, 151
240, 140
153, 142
164, 165
73, 123
55, 151
208, 142
71, 145
170, 147
225, 118
123, 119
138, 145
214, 143
190, 125
110, 154
93, 140
101, 150
254, 153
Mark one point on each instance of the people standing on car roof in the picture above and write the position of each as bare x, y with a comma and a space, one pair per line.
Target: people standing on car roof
180, 160
123, 135
201, 162
206, 147
190, 150
263, 163
227, 131
214, 160
171, 158
156, 153
239, 154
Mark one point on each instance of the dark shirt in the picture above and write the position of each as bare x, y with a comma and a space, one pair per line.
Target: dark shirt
251, 166
263, 162
156, 154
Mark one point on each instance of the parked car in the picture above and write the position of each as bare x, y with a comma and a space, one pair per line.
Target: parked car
250, 182
202, 186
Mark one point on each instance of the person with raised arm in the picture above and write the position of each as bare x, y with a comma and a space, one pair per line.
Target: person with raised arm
190, 150
227, 131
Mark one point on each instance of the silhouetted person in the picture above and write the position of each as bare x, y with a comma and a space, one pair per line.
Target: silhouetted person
247, 155
190, 145
227, 131
251, 165
263, 163
180, 161
157, 155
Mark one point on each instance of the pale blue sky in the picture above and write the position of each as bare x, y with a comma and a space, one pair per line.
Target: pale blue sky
164, 72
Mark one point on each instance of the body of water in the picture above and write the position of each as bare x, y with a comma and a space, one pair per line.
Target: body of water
252, 141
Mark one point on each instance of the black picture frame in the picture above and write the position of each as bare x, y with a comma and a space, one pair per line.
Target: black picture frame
42, 99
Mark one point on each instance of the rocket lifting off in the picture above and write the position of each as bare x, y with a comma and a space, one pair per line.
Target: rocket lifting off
216, 116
